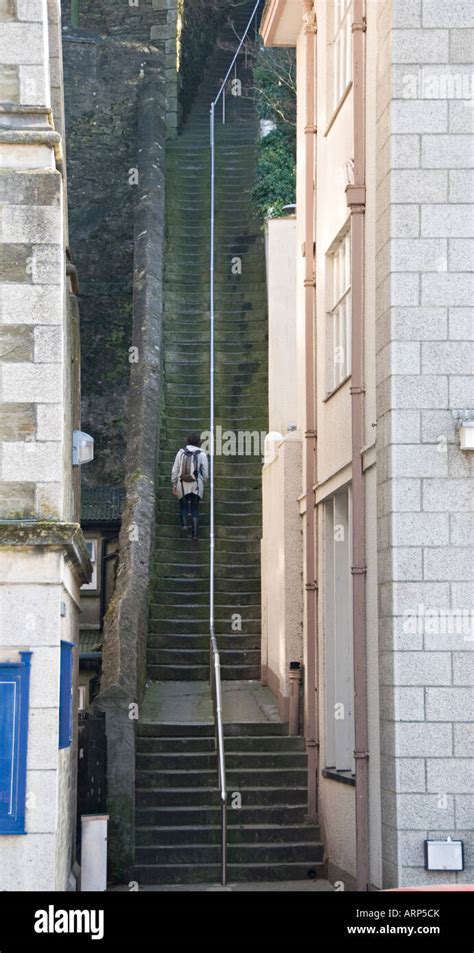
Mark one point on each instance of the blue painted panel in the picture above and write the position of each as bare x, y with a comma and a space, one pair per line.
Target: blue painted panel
66, 694
14, 701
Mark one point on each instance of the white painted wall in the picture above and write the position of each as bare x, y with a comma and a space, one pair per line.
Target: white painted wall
282, 598
282, 354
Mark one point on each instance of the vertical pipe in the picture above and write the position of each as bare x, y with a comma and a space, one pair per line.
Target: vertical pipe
75, 12
312, 741
356, 202
211, 373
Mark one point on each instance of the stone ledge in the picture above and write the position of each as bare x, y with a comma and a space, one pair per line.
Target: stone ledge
30, 137
64, 536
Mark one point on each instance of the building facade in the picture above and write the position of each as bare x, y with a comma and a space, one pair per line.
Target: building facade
43, 557
382, 335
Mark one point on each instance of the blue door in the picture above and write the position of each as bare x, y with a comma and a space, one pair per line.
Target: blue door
14, 700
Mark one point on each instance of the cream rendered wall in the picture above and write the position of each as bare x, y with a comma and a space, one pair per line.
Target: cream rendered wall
282, 355
282, 597
334, 149
282, 555
300, 232
336, 800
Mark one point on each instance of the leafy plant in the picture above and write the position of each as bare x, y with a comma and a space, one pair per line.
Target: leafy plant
274, 88
274, 93
275, 184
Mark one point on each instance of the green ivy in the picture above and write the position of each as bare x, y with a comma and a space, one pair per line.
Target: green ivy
276, 173
274, 92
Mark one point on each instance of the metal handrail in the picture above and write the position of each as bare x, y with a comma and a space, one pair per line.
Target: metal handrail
216, 688
215, 670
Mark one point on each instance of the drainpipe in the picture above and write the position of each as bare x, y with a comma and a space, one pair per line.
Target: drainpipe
356, 202
311, 594
75, 12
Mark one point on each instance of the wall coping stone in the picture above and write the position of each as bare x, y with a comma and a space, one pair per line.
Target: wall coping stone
68, 537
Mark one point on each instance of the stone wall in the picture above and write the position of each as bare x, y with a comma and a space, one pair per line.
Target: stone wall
117, 116
102, 79
150, 24
424, 360
43, 559
126, 622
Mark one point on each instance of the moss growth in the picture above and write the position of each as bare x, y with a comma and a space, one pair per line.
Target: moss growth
120, 853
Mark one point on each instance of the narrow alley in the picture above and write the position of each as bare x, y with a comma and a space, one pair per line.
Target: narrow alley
177, 803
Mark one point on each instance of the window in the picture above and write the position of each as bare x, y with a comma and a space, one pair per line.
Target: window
339, 313
338, 633
91, 546
342, 49
14, 701
66, 690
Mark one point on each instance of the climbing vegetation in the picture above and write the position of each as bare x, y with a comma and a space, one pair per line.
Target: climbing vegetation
274, 92
275, 185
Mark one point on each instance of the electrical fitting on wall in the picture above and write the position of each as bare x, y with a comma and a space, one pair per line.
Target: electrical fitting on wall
444, 854
82, 448
466, 435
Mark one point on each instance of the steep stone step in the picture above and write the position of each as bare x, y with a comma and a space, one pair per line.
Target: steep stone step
236, 873
210, 834
200, 673
200, 625
264, 854
237, 779
154, 729
263, 816
250, 761
177, 656
148, 796
180, 673
185, 745
183, 643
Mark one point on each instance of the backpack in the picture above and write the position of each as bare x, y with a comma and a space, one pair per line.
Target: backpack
189, 468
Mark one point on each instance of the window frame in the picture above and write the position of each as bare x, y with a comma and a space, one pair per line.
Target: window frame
339, 310
341, 45
338, 637
93, 584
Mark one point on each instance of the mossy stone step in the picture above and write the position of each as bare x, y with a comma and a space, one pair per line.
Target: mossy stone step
191, 745
148, 817
165, 626
235, 641
201, 796
210, 833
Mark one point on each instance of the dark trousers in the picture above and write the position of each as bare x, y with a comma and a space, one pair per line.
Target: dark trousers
189, 506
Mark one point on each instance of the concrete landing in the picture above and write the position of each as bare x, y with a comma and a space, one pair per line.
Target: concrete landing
183, 702
289, 886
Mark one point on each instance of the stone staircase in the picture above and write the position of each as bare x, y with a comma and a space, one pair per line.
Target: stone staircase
178, 633
178, 812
